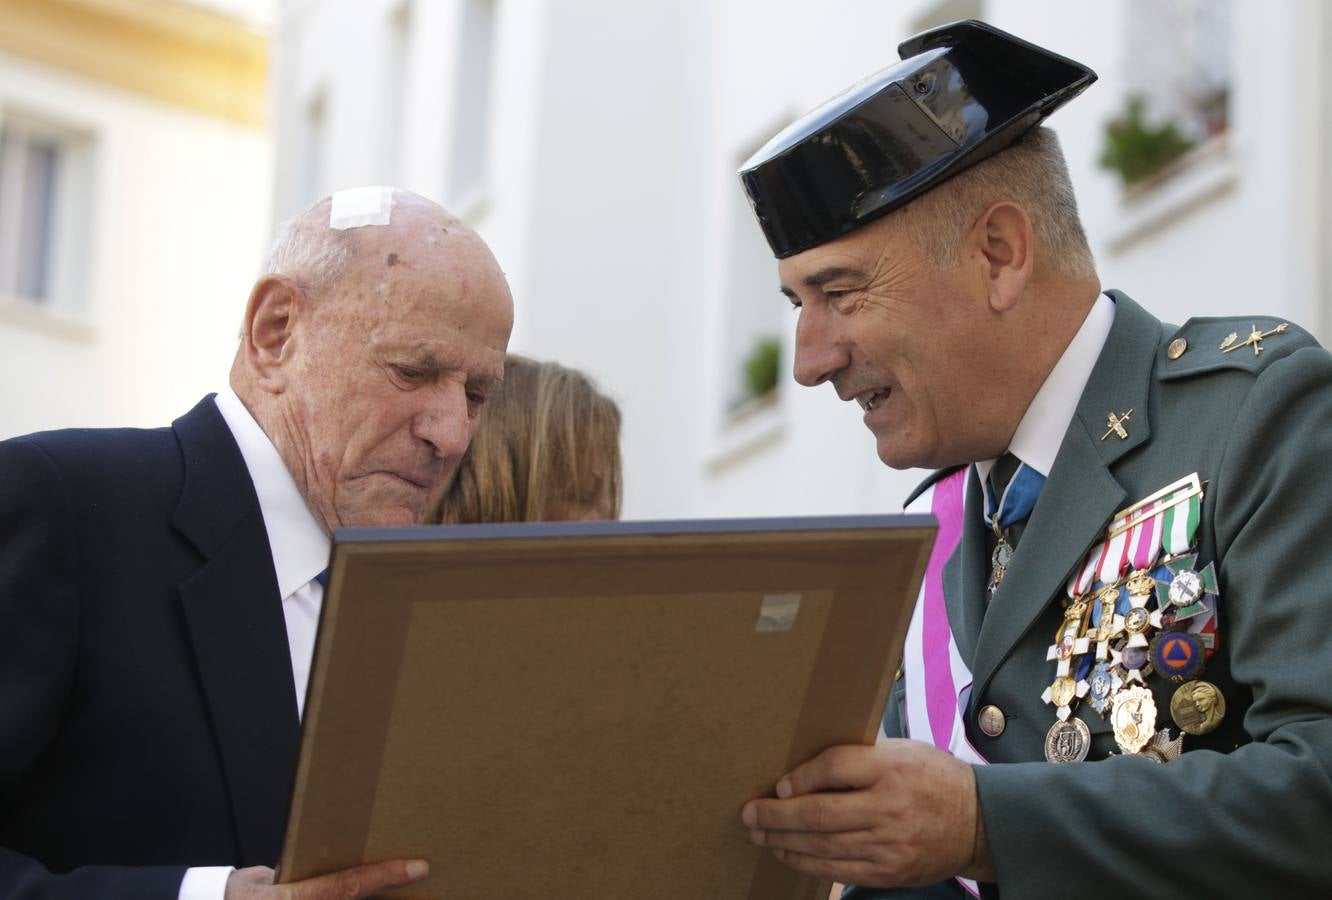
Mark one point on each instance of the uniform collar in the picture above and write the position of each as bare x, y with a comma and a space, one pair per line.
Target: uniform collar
1042, 428
299, 546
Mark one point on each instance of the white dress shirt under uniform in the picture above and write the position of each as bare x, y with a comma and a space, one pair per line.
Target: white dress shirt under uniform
300, 552
1041, 431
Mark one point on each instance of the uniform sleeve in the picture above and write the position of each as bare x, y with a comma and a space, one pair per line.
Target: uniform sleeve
1252, 822
38, 644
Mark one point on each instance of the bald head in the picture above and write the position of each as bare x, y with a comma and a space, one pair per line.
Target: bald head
309, 250
368, 351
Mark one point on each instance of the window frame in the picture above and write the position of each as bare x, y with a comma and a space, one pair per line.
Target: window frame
70, 206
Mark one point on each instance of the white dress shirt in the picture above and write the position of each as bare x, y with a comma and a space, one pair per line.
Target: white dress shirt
1041, 431
300, 552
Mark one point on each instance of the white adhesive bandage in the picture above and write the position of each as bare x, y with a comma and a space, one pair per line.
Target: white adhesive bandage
355, 207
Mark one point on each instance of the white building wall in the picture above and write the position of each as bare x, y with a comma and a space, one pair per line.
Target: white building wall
178, 217
612, 201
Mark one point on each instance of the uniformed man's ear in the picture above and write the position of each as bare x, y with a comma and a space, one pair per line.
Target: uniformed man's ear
270, 318
1003, 238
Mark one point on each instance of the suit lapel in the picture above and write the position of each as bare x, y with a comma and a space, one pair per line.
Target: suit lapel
1081, 494
234, 617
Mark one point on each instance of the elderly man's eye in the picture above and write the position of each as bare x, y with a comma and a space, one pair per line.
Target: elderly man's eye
409, 373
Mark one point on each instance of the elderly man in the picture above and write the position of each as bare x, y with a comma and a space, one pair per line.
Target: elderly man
159, 590
1128, 518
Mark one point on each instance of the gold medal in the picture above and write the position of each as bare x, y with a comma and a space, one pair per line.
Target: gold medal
1106, 628
1076, 611
1067, 742
1063, 690
1133, 718
1141, 583
1137, 623
1198, 707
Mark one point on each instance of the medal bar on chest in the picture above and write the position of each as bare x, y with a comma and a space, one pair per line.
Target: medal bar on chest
1151, 542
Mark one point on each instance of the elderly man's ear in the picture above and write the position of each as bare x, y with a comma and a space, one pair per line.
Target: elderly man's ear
270, 317
1004, 246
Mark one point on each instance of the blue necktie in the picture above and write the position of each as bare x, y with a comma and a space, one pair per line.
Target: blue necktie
1011, 492
322, 578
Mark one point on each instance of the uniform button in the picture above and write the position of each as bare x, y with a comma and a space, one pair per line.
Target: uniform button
991, 720
1177, 348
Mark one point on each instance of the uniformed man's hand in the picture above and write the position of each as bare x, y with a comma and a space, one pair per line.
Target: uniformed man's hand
349, 884
900, 813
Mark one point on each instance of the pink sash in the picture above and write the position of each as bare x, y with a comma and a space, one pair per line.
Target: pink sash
937, 680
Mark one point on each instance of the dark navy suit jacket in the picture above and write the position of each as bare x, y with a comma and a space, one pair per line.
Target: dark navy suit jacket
147, 710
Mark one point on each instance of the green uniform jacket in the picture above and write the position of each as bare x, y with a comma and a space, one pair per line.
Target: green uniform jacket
1246, 810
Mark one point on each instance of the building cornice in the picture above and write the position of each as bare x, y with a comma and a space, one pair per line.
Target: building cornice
167, 50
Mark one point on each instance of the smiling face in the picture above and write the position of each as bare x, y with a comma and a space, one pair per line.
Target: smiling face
383, 374
912, 344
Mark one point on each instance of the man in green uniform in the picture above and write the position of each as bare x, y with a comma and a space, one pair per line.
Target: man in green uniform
1118, 681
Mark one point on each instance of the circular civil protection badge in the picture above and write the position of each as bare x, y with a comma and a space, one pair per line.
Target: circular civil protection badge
1178, 655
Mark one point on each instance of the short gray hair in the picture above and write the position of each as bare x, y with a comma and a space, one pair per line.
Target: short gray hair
308, 251
1030, 172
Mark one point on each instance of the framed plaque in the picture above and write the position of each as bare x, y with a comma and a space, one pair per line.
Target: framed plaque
580, 710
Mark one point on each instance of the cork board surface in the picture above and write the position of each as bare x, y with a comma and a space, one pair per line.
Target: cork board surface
556, 715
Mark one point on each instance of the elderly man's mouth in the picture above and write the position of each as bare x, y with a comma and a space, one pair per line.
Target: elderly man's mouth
414, 480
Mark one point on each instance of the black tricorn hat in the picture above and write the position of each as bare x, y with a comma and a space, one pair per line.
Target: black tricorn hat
962, 92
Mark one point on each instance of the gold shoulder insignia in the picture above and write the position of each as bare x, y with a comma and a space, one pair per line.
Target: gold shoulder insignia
1254, 340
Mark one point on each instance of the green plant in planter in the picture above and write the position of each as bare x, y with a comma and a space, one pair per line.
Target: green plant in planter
761, 367
1137, 150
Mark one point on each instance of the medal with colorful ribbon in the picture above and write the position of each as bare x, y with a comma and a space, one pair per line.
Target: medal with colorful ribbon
1122, 594
1001, 512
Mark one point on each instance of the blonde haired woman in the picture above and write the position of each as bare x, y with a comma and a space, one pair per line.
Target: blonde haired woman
547, 449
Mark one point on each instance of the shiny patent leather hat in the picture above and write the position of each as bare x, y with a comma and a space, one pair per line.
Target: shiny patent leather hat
962, 92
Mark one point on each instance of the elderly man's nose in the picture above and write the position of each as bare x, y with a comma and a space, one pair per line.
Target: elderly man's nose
445, 423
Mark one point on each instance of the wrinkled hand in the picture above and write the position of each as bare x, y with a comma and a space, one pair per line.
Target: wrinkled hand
899, 813
349, 884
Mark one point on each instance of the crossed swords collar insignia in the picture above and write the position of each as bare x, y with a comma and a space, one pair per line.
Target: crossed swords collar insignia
1115, 425
1138, 608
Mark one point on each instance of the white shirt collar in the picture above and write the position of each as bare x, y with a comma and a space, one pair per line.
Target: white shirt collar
299, 546
1041, 431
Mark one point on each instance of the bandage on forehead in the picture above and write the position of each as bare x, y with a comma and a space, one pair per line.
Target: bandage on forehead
360, 206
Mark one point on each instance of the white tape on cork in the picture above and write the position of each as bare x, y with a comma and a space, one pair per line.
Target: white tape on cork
355, 207
778, 612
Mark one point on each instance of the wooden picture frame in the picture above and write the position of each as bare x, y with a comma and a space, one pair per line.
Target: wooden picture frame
581, 709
